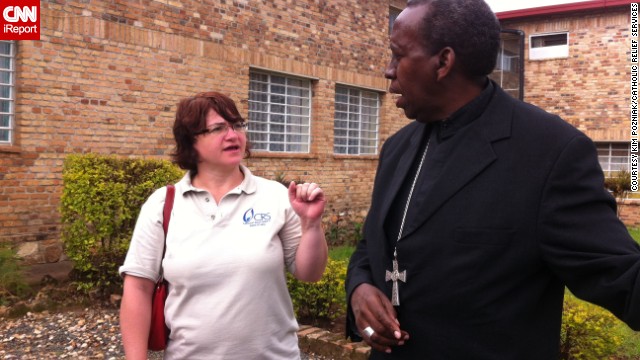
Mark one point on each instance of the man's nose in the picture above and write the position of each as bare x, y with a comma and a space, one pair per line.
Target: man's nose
390, 71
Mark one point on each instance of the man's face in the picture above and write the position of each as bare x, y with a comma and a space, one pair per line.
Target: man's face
412, 70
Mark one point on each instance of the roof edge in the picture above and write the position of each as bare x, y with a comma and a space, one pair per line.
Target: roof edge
561, 8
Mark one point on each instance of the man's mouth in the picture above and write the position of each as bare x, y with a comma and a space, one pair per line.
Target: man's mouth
397, 97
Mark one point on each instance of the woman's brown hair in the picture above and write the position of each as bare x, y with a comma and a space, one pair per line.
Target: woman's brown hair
191, 120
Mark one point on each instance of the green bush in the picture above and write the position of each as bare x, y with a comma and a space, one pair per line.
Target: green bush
323, 300
100, 203
588, 331
12, 282
619, 184
342, 229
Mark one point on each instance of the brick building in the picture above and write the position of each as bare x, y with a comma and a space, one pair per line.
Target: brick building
107, 74
577, 65
308, 74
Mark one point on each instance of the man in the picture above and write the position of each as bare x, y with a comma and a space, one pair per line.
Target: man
483, 209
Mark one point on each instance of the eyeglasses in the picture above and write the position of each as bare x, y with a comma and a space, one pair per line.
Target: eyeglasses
223, 128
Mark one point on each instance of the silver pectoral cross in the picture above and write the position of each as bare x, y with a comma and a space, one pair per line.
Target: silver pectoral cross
394, 276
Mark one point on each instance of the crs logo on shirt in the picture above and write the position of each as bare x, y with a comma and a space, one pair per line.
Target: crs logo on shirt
253, 218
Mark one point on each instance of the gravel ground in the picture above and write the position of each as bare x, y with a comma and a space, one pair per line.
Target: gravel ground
79, 335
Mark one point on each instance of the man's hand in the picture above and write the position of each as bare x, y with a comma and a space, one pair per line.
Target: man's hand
373, 310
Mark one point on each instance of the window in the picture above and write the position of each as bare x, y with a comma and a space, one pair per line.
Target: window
356, 119
613, 157
279, 113
507, 61
7, 66
393, 14
549, 46
509, 68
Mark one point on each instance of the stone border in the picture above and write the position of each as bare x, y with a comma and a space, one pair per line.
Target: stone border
331, 345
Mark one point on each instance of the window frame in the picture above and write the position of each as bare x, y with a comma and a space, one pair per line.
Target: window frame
511, 78
393, 15
287, 119
608, 147
9, 128
357, 93
551, 51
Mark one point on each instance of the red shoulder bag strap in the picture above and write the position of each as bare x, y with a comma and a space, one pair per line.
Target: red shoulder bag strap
168, 205
166, 215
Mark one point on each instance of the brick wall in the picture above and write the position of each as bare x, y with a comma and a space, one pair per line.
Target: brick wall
629, 213
590, 88
106, 76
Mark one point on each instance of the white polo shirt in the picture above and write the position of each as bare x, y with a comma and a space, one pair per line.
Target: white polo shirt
225, 264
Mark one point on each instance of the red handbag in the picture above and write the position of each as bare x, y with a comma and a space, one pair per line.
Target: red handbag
159, 332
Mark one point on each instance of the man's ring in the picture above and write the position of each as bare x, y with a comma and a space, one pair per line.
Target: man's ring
369, 331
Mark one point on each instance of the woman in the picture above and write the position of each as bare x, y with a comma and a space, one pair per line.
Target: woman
230, 237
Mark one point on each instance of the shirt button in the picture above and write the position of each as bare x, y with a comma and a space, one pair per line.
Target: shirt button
206, 199
213, 217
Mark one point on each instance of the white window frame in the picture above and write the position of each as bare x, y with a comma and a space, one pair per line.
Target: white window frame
7, 94
279, 112
505, 61
544, 52
393, 14
613, 157
356, 121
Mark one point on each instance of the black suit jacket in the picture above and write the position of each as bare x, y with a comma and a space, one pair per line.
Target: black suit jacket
519, 211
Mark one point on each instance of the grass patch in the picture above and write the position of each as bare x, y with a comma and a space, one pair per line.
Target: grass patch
341, 252
635, 233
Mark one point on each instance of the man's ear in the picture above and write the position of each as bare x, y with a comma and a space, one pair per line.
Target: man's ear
446, 61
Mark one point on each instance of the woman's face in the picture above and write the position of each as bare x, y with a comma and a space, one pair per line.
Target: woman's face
223, 144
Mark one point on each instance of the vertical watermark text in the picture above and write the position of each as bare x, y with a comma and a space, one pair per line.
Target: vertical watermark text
633, 107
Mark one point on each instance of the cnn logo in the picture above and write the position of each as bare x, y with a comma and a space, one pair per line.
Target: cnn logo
20, 20
14, 14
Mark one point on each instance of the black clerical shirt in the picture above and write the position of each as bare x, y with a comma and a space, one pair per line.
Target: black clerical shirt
437, 133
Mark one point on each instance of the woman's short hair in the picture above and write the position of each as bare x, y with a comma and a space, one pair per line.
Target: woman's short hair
191, 120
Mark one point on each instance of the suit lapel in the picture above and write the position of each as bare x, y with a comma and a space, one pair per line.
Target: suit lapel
472, 153
398, 175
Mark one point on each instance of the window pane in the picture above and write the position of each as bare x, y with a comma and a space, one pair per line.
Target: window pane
5, 77
278, 79
258, 96
258, 87
7, 61
5, 92
277, 89
258, 126
548, 40
5, 106
613, 157
258, 106
277, 99
6, 48
5, 121
277, 109
276, 147
282, 106
356, 111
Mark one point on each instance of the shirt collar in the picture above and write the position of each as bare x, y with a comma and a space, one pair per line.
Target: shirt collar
248, 184
465, 115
